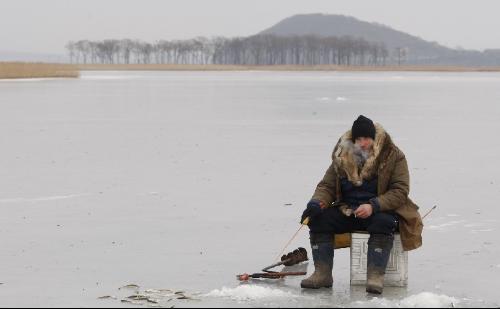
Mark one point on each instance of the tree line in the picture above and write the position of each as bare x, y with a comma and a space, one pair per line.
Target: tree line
254, 50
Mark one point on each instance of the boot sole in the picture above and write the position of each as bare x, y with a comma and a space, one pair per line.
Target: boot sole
316, 287
373, 290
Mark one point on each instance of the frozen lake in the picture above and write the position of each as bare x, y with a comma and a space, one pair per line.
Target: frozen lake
181, 180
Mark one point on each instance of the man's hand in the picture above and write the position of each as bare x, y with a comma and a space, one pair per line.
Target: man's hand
363, 211
314, 208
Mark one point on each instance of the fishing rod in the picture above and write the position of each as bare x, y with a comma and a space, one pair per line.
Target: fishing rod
435, 206
305, 222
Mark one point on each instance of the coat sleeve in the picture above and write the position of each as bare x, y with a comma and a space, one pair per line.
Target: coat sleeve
399, 186
326, 190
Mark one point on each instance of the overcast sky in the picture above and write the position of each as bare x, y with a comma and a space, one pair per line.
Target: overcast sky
47, 25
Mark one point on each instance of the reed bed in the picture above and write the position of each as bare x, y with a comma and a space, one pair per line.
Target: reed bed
14, 70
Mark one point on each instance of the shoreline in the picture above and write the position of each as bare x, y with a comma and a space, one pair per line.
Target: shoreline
30, 71
298, 68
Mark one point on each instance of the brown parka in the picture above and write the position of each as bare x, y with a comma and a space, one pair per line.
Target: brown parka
388, 163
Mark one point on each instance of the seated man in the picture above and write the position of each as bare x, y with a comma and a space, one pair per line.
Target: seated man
367, 186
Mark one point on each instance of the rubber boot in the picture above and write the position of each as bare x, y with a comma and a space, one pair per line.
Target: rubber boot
379, 250
322, 253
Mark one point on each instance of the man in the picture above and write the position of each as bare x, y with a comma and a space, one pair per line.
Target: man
367, 186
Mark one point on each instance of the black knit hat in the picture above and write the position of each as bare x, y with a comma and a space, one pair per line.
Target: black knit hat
363, 127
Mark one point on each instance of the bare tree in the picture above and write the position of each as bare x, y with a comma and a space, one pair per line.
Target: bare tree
253, 50
70, 46
400, 54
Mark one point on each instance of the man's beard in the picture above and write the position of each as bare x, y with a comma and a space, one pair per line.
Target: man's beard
360, 155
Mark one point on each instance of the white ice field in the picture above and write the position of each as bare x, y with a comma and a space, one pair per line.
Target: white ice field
181, 180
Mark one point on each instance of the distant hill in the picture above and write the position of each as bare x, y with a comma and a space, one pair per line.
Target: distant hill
418, 51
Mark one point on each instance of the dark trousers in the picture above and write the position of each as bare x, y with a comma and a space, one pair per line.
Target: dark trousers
332, 221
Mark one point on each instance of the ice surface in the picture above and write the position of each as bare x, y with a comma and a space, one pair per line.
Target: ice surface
445, 225
181, 180
31, 80
39, 199
324, 99
421, 300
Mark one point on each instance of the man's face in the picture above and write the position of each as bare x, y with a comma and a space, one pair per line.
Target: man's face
365, 143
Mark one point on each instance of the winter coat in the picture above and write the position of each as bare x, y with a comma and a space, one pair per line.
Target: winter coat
388, 163
354, 196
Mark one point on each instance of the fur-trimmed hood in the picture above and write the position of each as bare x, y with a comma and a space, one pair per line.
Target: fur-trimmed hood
346, 164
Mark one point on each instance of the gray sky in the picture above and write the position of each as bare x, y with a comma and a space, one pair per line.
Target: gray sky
46, 25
